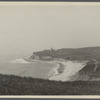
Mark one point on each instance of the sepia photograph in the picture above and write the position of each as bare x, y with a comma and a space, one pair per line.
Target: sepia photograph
49, 48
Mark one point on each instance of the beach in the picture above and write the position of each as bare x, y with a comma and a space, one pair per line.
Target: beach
66, 70
52, 70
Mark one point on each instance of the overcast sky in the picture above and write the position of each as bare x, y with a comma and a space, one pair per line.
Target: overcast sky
24, 28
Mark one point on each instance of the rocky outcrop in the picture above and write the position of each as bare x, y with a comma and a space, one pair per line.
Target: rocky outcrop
37, 57
34, 56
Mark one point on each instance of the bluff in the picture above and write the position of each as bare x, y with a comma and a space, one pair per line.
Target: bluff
87, 53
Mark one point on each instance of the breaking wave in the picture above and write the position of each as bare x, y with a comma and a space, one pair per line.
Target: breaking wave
21, 60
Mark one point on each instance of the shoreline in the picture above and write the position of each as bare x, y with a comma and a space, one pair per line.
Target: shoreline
61, 68
58, 70
64, 69
69, 69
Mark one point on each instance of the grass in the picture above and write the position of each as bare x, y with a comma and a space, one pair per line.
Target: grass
89, 68
14, 85
87, 53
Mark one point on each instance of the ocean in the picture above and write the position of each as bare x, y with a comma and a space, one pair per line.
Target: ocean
16, 65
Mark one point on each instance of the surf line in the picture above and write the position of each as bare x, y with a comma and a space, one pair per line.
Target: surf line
70, 68
59, 69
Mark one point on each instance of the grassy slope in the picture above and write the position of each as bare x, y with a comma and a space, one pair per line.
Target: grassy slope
87, 73
89, 70
87, 53
14, 85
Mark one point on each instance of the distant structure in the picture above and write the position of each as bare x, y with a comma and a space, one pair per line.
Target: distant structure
52, 50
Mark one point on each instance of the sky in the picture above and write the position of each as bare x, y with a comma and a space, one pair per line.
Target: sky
28, 28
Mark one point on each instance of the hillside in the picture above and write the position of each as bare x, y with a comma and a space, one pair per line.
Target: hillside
14, 85
91, 72
87, 53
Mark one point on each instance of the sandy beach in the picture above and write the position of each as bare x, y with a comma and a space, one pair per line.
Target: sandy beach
69, 69
62, 71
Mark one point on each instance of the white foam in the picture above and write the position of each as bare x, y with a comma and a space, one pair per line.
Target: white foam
19, 61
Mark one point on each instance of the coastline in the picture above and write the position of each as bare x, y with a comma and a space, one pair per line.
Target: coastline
57, 71
61, 68
69, 69
64, 69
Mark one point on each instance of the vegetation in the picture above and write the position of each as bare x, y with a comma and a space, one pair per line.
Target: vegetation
14, 85
87, 53
88, 69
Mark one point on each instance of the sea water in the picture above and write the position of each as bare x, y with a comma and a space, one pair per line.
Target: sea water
15, 65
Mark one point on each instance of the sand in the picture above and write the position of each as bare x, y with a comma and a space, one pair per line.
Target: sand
63, 71
70, 69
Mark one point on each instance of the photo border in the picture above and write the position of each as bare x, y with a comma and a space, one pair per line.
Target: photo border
50, 97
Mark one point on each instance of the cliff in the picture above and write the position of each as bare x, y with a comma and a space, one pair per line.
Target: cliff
87, 53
